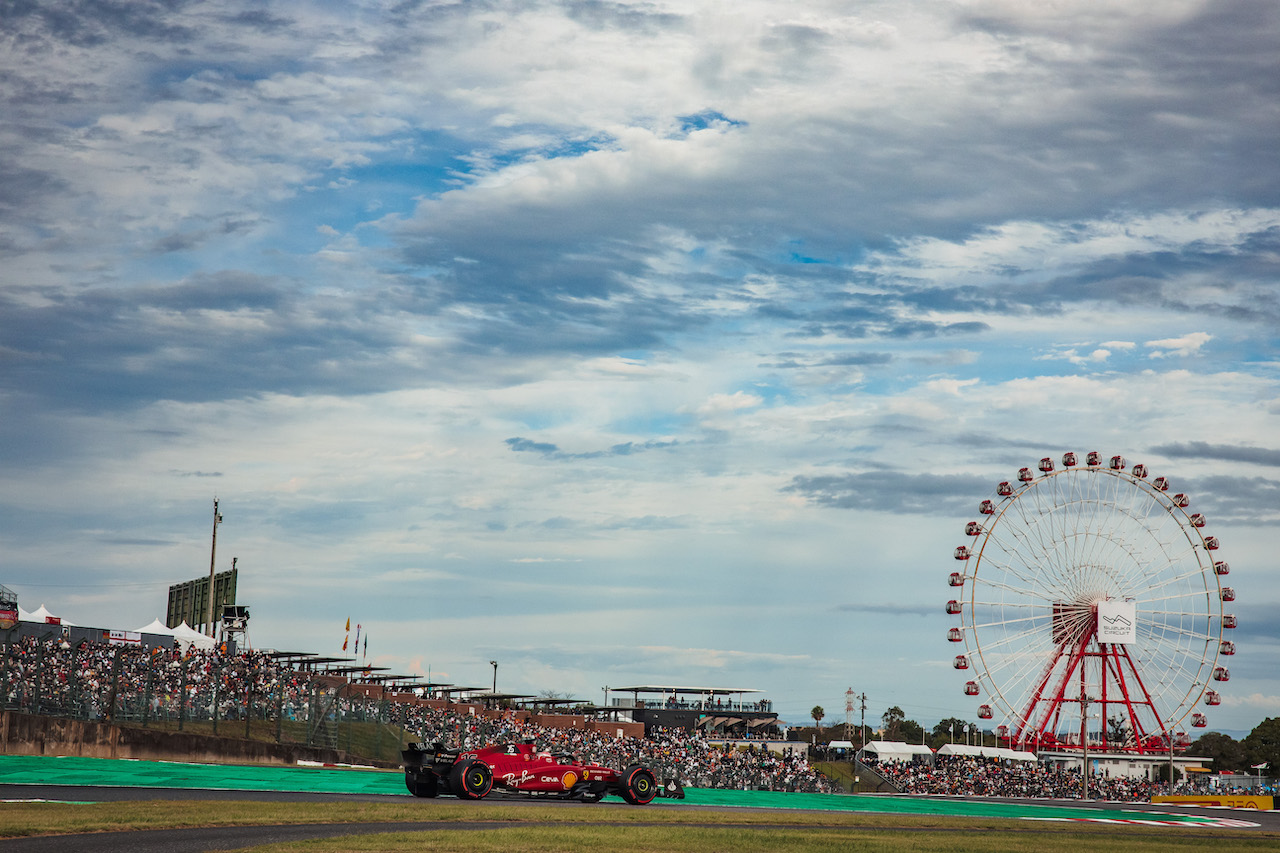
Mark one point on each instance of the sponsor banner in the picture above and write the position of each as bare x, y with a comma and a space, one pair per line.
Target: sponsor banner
121, 638
1117, 622
1227, 801
8, 618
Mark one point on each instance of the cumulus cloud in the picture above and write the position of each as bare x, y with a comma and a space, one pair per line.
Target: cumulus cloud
1184, 346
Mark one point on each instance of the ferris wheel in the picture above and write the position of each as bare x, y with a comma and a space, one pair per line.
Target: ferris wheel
1091, 605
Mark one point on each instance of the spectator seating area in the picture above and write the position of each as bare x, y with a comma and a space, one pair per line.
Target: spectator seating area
984, 777
101, 681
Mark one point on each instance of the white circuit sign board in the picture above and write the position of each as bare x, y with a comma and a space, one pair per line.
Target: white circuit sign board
1117, 622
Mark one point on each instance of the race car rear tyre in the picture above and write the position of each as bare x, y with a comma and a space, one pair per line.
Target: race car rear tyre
422, 784
471, 780
638, 785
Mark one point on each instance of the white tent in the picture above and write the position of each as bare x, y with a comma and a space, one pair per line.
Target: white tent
188, 636
986, 752
887, 750
42, 614
156, 627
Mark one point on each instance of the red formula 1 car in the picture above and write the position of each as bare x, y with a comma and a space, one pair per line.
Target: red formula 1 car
517, 767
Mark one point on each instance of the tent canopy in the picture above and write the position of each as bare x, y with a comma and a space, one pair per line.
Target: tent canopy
41, 614
886, 749
188, 636
156, 627
986, 752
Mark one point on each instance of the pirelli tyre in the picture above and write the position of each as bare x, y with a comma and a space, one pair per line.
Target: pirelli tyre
637, 785
471, 780
422, 784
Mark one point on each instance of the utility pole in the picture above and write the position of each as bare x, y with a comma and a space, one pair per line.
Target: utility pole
1084, 743
863, 697
213, 557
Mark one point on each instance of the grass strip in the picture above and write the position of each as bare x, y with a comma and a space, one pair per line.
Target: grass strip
736, 839
544, 826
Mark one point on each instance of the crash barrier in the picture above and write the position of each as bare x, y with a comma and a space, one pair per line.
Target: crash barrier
1225, 799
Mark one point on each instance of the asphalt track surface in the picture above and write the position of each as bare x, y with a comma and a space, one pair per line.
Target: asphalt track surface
26, 779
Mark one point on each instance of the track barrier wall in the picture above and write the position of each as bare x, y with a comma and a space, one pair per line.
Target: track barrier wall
1225, 800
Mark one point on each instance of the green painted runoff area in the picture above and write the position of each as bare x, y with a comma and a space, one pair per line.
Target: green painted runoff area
70, 770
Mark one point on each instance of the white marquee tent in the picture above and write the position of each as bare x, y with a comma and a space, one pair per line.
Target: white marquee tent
986, 752
156, 627
40, 614
885, 750
186, 636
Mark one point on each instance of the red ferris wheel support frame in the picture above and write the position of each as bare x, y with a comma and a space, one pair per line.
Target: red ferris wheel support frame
1119, 684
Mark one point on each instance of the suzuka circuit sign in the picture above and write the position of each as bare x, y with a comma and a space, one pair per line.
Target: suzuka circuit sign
1117, 622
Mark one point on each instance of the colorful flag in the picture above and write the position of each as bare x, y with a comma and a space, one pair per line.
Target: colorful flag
344, 643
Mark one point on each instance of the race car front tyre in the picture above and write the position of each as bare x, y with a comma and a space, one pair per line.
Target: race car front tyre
638, 786
422, 784
471, 780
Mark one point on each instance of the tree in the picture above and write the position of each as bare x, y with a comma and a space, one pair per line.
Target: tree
945, 729
1262, 745
1225, 751
817, 713
1118, 731
912, 732
892, 720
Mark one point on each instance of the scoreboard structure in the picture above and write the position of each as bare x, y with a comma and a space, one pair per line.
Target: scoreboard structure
189, 601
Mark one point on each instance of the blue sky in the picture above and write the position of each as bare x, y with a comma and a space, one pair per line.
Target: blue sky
626, 342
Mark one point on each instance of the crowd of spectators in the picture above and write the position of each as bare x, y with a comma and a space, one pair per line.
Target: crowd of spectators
130, 682
100, 680
990, 777
671, 753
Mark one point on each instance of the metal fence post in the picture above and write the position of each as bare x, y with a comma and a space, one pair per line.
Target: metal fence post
113, 695
35, 709
217, 681
182, 692
349, 721
248, 698
146, 701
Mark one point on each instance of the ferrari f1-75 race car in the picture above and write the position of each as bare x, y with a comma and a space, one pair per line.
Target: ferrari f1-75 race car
517, 767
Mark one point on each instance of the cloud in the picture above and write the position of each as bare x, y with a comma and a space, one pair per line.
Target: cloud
1184, 346
888, 491
1206, 450
723, 404
552, 451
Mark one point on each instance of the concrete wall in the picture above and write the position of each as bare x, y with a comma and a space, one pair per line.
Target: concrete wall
613, 728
